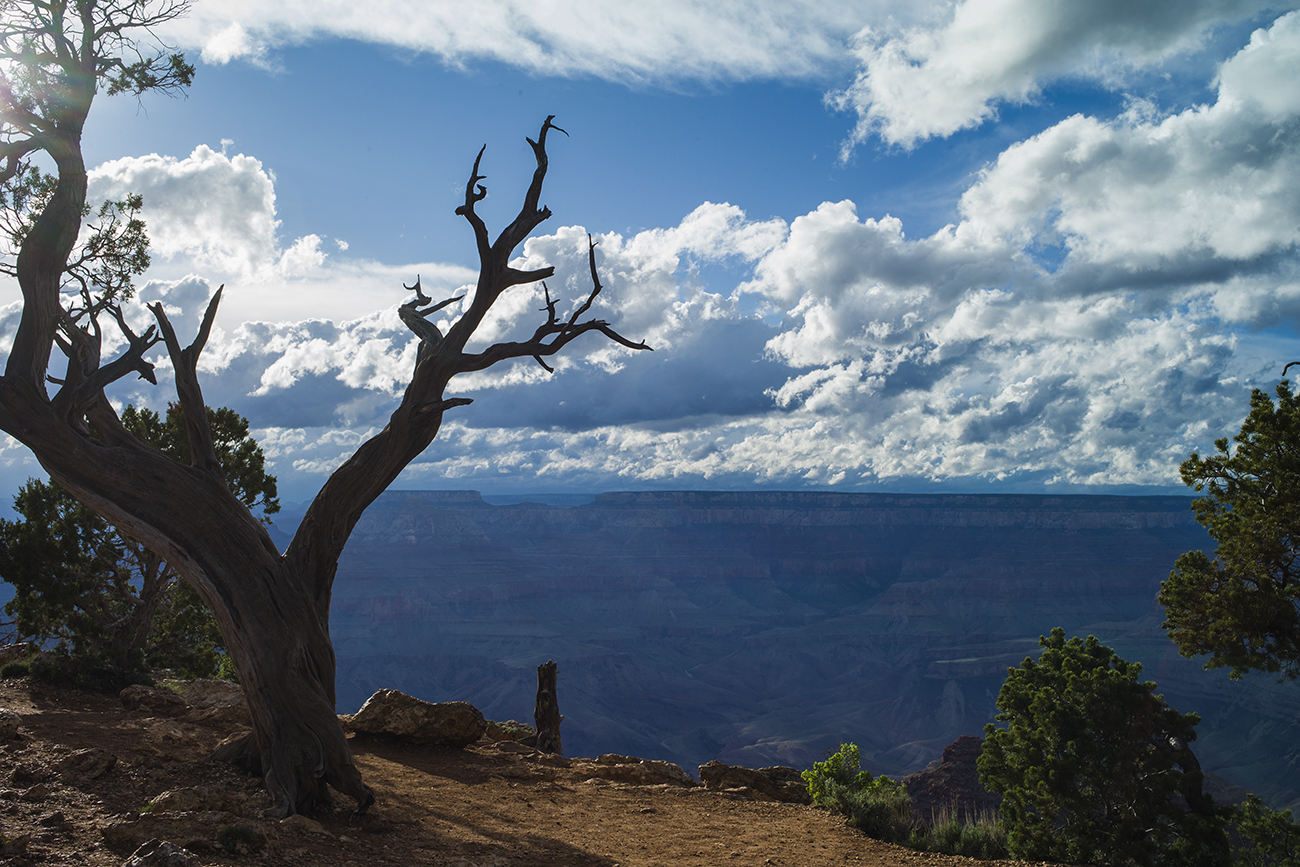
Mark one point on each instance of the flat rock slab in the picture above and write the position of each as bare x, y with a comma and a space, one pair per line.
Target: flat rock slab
147, 698
634, 771
780, 783
398, 715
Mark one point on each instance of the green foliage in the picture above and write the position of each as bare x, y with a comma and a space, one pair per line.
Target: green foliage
881, 809
46, 44
15, 669
1089, 764
842, 768
89, 669
1241, 608
100, 598
982, 837
55, 558
1267, 838
101, 270
878, 806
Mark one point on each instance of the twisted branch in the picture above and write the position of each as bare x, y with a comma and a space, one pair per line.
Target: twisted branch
186, 361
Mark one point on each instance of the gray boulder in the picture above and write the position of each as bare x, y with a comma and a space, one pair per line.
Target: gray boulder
396, 714
218, 702
14, 652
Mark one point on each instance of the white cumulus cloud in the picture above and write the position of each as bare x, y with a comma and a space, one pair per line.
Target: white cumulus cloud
950, 73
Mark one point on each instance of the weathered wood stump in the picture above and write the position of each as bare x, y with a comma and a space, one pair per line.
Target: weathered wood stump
546, 714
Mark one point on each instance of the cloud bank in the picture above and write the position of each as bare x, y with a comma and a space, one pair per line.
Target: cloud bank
1093, 314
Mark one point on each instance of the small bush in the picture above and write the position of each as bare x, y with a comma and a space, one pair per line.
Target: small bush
982, 837
87, 671
843, 768
18, 668
226, 668
879, 807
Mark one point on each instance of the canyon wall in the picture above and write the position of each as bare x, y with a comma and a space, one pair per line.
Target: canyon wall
765, 628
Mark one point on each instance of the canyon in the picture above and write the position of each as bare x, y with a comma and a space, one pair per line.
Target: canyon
765, 628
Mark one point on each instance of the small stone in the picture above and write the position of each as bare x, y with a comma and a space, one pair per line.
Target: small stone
38, 792
634, 771
9, 722
22, 775
157, 853
84, 765
16, 846
778, 783
192, 831
508, 731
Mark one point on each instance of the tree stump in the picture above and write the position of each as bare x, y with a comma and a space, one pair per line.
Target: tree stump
546, 714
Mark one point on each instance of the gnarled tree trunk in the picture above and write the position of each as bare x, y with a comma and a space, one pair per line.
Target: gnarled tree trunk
273, 609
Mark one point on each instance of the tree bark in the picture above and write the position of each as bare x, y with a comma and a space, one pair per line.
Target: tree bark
546, 713
275, 628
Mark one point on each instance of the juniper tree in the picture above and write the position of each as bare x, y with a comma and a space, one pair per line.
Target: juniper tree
1242, 608
1094, 766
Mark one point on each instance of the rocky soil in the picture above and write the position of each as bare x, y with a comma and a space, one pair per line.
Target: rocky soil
86, 781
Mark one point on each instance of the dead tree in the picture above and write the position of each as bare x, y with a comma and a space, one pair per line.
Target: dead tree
546, 713
273, 608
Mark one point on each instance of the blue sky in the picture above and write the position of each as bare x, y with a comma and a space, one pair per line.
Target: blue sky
1002, 245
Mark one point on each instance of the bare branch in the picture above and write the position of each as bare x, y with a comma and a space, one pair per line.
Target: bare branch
414, 317
495, 273
595, 283
550, 304
530, 215
186, 361
537, 348
561, 333
444, 405
475, 193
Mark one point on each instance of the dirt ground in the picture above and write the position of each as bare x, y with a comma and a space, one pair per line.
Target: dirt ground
486, 806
